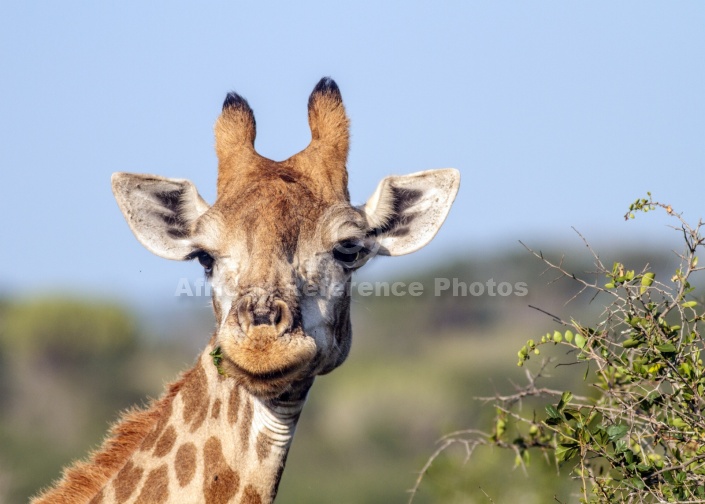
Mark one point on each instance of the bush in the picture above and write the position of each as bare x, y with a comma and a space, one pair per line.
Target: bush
66, 367
637, 434
66, 328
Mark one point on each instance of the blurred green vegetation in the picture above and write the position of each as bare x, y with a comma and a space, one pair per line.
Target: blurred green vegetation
69, 366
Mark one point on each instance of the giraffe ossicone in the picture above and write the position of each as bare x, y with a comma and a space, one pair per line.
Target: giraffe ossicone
279, 246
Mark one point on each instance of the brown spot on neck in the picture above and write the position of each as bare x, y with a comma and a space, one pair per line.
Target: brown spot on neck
185, 463
220, 482
250, 496
263, 446
215, 410
156, 487
246, 423
195, 397
126, 481
163, 421
233, 405
166, 442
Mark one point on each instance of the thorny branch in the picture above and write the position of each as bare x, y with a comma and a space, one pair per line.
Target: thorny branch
638, 434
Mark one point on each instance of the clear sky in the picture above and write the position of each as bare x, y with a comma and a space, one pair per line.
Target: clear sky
557, 113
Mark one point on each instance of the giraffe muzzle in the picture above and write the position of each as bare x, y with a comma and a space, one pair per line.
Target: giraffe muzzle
263, 347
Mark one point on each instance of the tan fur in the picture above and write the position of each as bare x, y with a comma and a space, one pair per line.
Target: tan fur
325, 157
320, 167
234, 141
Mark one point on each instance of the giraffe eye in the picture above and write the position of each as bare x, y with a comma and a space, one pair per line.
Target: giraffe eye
206, 261
350, 253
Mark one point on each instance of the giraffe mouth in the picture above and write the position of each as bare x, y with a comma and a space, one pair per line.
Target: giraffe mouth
267, 366
268, 384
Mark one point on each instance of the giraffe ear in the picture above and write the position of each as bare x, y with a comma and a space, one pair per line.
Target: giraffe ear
406, 212
160, 211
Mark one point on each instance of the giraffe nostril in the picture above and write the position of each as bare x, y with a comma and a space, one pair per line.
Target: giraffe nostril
284, 319
244, 313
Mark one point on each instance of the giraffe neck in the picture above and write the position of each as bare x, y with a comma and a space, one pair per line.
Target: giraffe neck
208, 440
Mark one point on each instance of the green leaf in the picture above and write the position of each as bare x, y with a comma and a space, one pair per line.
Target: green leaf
500, 428
690, 304
678, 423
565, 399
217, 355
615, 432
643, 468
629, 456
638, 483
580, 340
566, 451
554, 417
620, 446
631, 343
552, 411
666, 348
646, 282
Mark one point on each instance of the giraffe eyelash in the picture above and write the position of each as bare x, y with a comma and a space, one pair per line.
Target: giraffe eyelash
204, 258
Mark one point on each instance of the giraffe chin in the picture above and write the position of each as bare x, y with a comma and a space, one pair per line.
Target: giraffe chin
264, 363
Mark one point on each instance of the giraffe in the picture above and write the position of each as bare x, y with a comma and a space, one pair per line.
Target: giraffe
279, 246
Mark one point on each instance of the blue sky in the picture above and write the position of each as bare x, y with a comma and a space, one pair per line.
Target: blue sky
557, 114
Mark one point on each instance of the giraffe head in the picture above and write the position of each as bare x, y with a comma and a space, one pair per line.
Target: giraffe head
281, 241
